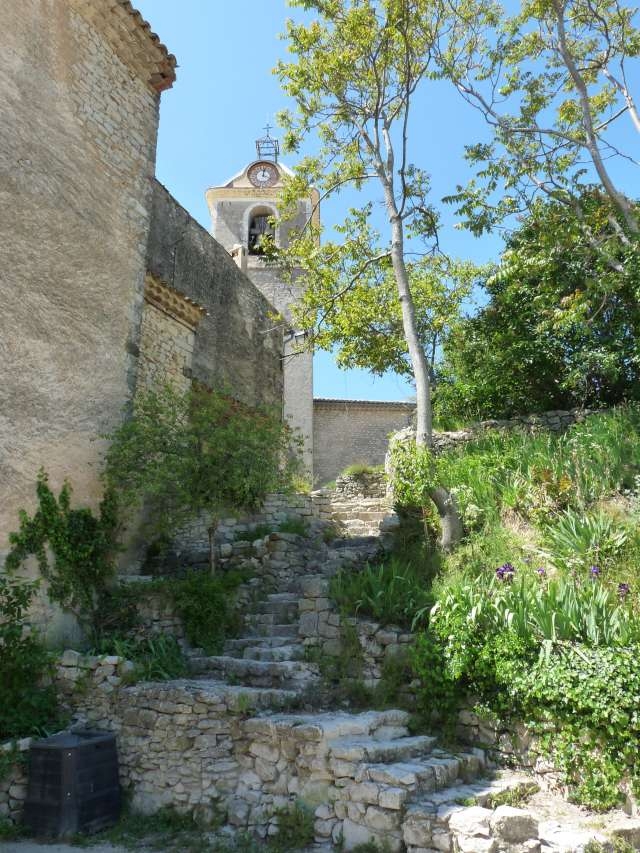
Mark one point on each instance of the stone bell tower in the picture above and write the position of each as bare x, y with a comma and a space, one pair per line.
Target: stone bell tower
241, 211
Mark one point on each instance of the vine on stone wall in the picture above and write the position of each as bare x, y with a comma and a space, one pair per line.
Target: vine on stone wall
74, 550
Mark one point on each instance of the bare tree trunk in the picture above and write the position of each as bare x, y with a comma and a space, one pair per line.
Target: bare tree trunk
444, 501
591, 138
424, 418
213, 556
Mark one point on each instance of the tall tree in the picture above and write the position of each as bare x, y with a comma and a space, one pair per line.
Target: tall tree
357, 67
560, 328
553, 83
363, 324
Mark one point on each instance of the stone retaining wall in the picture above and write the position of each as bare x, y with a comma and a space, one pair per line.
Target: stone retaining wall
13, 779
322, 627
190, 546
371, 484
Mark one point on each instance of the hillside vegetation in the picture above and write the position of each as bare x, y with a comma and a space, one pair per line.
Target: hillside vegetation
535, 614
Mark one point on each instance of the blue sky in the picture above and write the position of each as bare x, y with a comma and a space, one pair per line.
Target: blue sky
224, 95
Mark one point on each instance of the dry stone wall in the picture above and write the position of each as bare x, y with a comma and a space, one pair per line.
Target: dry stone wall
234, 536
321, 627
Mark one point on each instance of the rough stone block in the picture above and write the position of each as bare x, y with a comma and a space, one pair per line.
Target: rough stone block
513, 825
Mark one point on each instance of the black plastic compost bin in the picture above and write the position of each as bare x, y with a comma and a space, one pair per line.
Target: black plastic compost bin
73, 784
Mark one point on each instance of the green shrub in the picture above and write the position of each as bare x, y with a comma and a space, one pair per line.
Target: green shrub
29, 704
389, 593
577, 540
207, 606
295, 828
562, 655
156, 658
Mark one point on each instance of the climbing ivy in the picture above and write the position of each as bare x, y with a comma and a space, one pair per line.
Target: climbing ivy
74, 549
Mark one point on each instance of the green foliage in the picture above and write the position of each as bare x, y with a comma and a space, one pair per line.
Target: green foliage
10, 831
389, 593
342, 673
560, 655
294, 524
577, 540
558, 330
156, 658
207, 606
359, 468
167, 829
413, 474
515, 797
542, 474
295, 828
81, 546
183, 454
29, 705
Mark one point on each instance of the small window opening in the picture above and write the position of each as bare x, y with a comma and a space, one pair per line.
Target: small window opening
259, 228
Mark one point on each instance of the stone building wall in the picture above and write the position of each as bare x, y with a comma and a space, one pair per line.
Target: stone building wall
236, 345
79, 95
350, 431
167, 337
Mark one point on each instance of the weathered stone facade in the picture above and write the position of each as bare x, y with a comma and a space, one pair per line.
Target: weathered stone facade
167, 337
353, 431
79, 94
236, 345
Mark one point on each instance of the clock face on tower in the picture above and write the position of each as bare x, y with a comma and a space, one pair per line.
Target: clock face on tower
263, 174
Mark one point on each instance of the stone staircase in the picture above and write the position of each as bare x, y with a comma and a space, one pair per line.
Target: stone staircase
362, 516
366, 776
268, 655
375, 782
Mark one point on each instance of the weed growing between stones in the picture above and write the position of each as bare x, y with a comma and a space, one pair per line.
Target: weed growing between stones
297, 526
155, 658
515, 797
295, 829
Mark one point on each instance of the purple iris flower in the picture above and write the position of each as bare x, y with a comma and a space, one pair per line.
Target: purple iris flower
542, 572
623, 590
506, 572
595, 572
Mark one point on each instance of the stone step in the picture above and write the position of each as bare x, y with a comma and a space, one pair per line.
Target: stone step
271, 629
281, 612
361, 515
328, 726
373, 750
240, 643
256, 699
274, 653
430, 819
430, 773
256, 673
